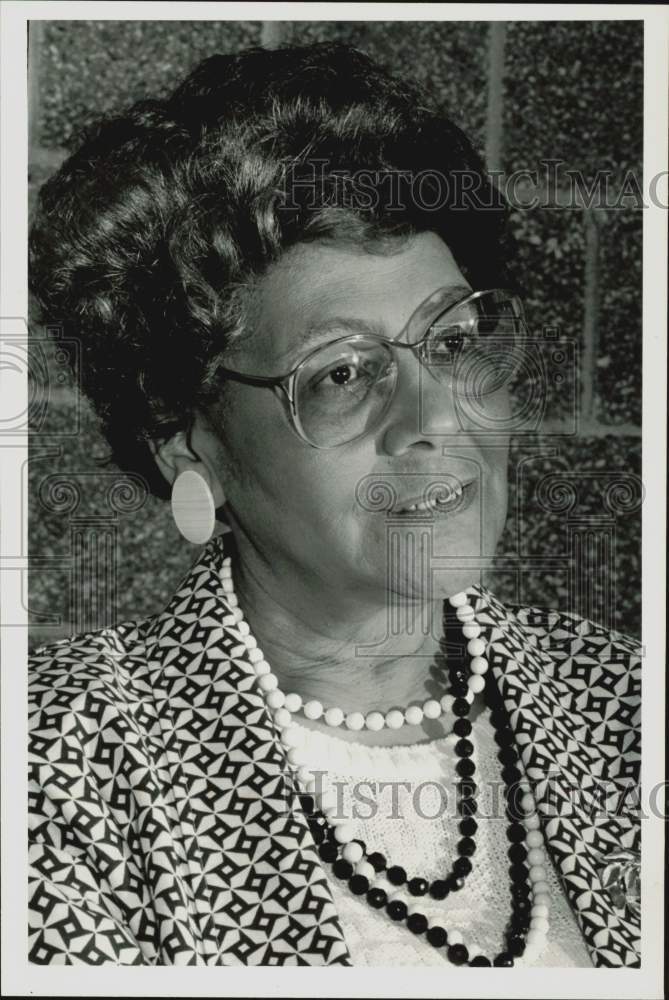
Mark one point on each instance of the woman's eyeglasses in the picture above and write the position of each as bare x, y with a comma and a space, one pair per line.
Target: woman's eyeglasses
342, 389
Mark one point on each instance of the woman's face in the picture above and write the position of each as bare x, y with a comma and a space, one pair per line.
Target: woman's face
312, 511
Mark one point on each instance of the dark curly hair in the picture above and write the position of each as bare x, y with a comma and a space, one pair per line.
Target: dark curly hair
148, 242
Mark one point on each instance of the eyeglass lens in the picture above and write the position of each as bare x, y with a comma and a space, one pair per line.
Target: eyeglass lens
343, 390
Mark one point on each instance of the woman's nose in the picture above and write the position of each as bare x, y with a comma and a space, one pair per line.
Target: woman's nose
423, 411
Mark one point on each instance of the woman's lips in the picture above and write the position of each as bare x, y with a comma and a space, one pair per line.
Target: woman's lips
444, 502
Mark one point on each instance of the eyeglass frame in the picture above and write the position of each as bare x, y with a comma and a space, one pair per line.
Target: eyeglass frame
287, 382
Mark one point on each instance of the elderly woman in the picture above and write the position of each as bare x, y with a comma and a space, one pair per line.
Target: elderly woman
335, 745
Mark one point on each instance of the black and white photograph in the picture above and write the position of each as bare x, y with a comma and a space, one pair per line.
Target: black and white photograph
335, 554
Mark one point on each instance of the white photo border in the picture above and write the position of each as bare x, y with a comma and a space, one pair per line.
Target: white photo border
20, 977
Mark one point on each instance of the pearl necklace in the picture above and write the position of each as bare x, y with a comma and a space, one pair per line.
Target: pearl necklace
371, 874
414, 714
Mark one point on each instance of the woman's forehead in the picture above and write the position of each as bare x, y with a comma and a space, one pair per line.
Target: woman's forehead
314, 286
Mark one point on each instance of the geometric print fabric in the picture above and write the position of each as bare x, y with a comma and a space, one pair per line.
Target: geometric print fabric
163, 830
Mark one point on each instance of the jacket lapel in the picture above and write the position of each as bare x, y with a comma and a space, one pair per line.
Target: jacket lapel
573, 713
256, 888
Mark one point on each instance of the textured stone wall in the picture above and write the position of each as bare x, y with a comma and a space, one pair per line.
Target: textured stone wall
527, 92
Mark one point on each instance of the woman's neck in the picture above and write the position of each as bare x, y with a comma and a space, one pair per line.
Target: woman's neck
338, 648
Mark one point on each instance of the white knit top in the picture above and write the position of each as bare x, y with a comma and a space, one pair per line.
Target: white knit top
412, 821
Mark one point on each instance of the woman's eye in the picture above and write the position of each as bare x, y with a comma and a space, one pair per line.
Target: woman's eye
343, 374
447, 347
349, 374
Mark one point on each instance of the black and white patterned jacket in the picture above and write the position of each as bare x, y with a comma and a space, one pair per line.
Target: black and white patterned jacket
162, 831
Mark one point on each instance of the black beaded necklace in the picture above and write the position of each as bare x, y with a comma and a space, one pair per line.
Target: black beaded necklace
521, 876
516, 931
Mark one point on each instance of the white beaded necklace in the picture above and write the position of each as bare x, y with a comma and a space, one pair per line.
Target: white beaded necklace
282, 706
414, 714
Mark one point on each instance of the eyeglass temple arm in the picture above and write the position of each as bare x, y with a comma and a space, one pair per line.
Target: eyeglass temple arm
282, 382
268, 380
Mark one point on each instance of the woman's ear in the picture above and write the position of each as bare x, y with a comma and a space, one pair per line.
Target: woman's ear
175, 456
172, 456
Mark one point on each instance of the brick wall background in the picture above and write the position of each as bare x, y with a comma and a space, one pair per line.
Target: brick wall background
101, 551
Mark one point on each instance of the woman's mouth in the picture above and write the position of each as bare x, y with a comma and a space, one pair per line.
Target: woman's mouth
439, 500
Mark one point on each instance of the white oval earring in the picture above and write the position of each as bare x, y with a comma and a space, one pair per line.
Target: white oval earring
193, 507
